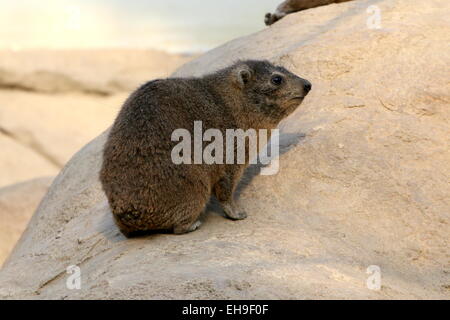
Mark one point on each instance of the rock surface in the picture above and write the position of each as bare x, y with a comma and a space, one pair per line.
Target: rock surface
363, 181
49, 129
100, 72
17, 205
18, 163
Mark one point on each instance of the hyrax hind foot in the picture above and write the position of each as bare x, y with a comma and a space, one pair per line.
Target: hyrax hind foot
185, 228
268, 20
233, 212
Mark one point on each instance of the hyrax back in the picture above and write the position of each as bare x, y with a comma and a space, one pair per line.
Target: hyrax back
146, 190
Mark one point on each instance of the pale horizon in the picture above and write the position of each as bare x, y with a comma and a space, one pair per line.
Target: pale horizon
168, 25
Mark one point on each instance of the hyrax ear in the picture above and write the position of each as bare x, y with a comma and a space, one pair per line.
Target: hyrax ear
243, 75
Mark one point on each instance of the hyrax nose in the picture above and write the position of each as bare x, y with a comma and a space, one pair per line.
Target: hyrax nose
307, 86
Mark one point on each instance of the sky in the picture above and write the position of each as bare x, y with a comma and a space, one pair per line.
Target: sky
170, 25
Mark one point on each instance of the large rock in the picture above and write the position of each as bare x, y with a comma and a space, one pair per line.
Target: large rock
51, 127
19, 163
17, 205
101, 72
363, 181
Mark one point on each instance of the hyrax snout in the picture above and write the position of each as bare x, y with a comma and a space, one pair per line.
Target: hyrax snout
147, 189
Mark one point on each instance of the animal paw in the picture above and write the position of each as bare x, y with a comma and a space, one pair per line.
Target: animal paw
268, 20
187, 228
233, 212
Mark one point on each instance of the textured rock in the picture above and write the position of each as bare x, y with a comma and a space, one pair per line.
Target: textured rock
363, 181
18, 163
99, 72
17, 205
49, 127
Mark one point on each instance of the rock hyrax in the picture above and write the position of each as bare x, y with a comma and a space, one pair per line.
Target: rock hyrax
146, 190
291, 6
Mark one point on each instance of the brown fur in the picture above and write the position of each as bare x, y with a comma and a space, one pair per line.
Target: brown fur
145, 189
291, 6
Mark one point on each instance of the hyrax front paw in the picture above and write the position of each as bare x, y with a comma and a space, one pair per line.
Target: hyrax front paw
233, 212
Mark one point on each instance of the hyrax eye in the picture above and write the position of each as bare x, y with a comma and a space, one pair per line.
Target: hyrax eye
277, 80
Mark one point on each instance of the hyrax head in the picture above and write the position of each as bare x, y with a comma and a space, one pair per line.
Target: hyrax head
272, 91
